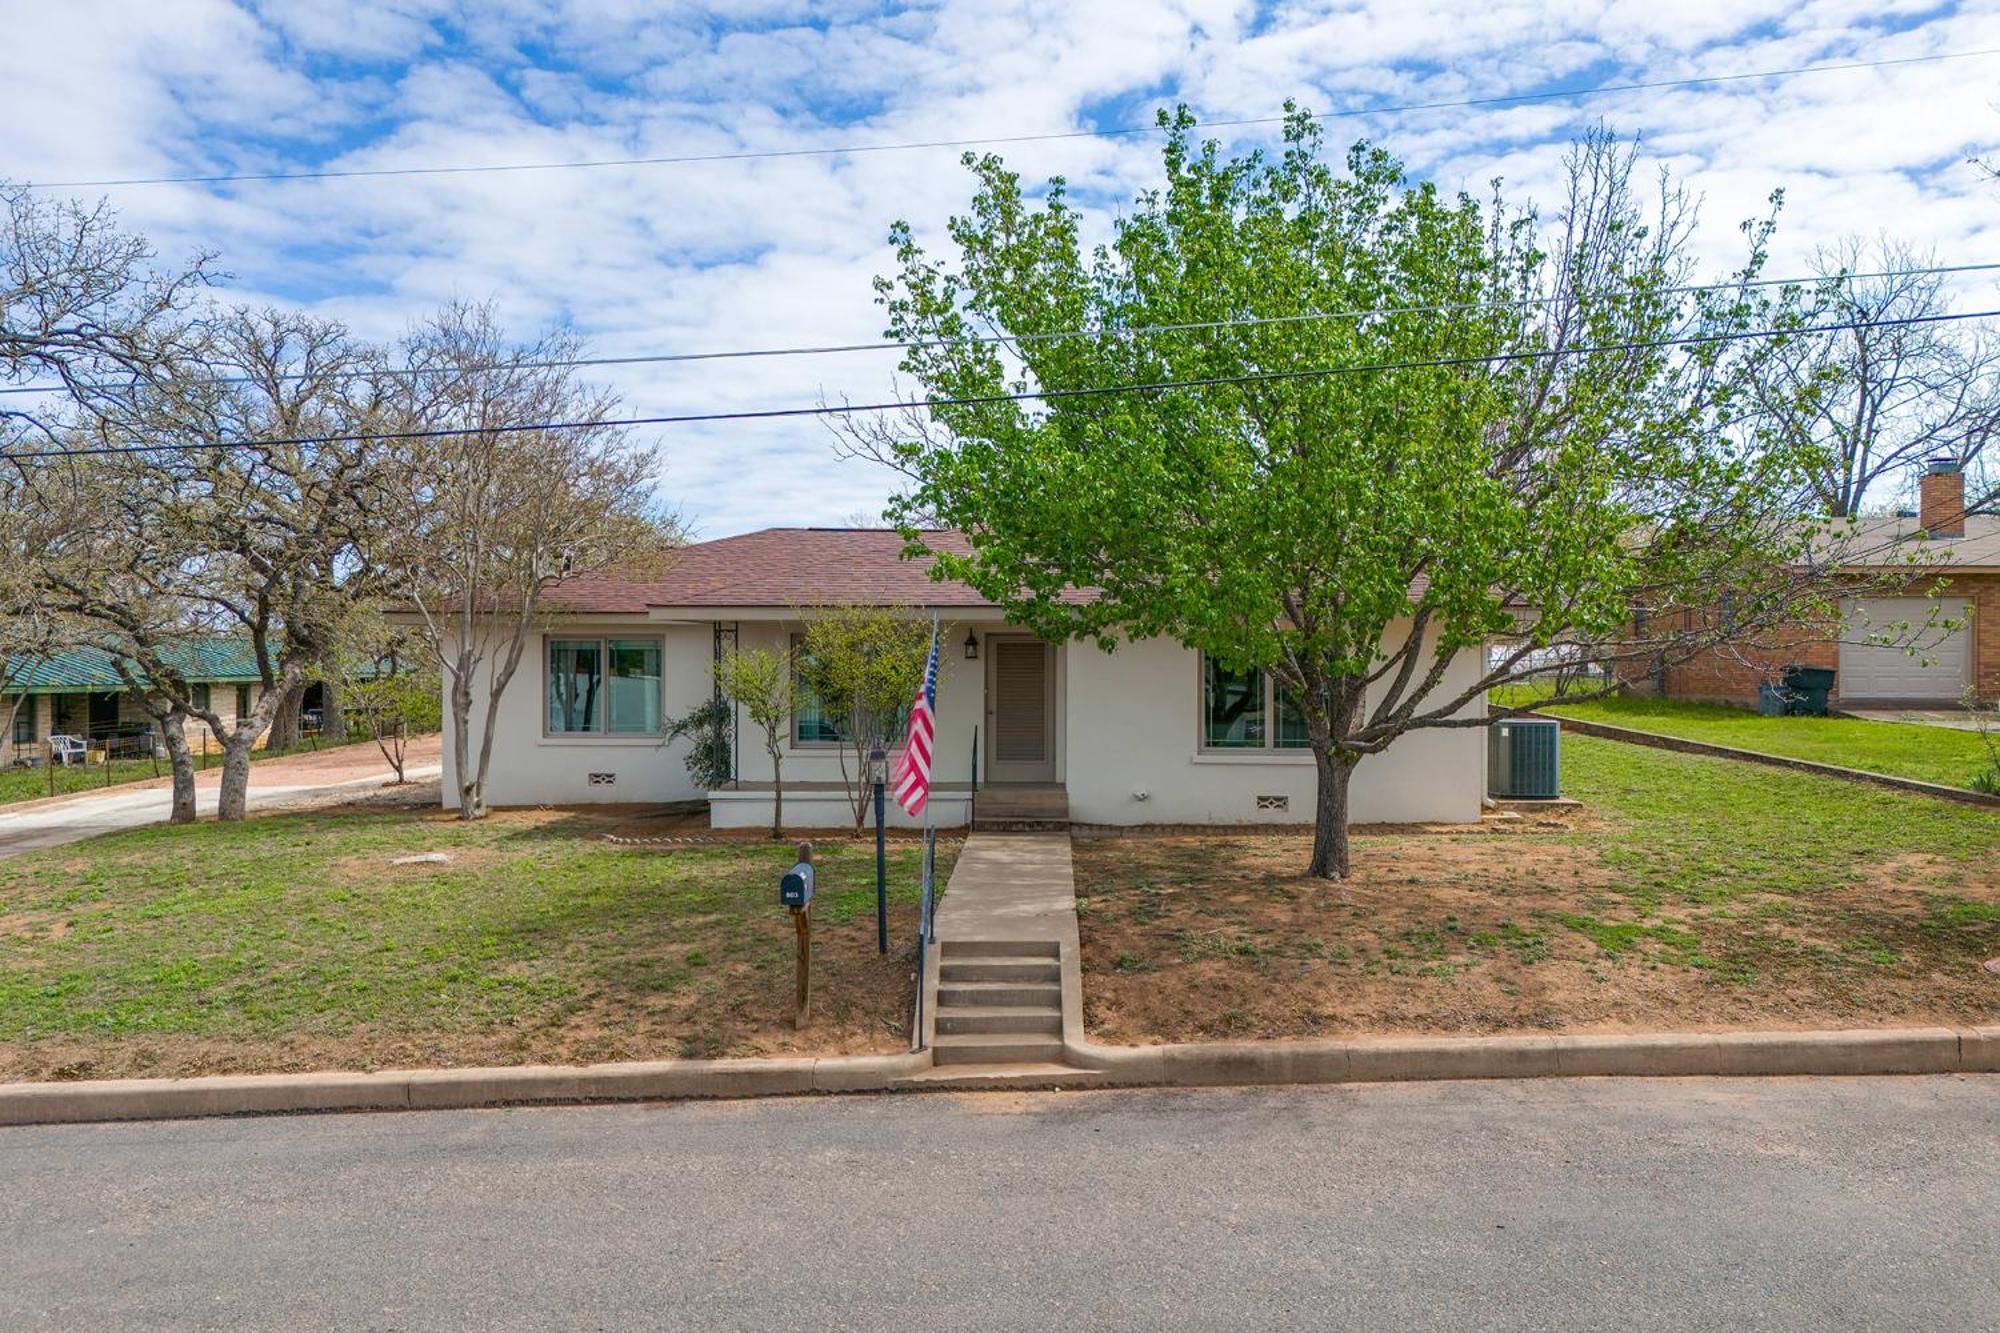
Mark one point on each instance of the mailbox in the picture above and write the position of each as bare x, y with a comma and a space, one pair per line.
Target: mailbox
796, 888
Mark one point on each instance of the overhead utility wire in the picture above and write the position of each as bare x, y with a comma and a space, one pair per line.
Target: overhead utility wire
1136, 331
751, 155
984, 400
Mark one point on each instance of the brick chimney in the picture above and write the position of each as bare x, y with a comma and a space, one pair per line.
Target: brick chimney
1941, 499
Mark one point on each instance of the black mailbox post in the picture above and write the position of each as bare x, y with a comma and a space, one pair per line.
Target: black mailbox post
795, 891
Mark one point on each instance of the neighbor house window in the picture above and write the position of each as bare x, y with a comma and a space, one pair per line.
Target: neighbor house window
242, 701
201, 697
24, 722
1239, 708
604, 686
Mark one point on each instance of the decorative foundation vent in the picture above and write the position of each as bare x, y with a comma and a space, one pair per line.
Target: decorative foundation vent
1274, 802
603, 779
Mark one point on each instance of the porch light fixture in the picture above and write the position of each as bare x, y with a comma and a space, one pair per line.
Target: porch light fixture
971, 646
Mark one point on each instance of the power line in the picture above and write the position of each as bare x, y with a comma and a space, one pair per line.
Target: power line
751, 155
985, 400
971, 339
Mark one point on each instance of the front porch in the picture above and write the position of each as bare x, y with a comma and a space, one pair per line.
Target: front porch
1017, 807
829, 805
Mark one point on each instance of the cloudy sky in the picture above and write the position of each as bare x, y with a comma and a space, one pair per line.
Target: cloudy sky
780, 251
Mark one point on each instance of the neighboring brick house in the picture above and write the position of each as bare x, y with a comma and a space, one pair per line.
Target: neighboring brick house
78, 692
1961, 584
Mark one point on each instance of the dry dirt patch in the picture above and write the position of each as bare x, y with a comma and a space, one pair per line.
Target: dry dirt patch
1529, 927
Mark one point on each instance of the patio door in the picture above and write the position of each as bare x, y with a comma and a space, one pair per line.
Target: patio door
1020, 710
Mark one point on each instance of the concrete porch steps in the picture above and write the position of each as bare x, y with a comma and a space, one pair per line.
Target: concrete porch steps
990, 1048
972, 1018
993, 967
1022, 808
999, 1003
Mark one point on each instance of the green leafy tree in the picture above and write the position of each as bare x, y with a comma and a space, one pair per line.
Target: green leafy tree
759, 682
1536, 430
863, 665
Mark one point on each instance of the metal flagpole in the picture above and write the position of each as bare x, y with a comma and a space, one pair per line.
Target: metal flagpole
926, 925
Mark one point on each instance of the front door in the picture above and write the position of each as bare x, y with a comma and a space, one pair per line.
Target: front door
1020, 710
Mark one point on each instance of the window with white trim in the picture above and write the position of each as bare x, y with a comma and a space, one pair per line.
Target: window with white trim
813, 723
605, 687
1247, 710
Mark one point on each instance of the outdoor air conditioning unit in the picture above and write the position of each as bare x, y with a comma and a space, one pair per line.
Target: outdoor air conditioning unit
1524, 759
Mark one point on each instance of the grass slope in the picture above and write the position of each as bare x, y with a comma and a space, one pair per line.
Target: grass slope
1901, 749
290, 941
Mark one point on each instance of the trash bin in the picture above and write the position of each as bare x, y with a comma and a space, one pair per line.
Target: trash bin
1807, 688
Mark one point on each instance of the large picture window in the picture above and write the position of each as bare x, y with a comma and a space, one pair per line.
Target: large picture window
1244, 710
604, 687
813, 723
24, 721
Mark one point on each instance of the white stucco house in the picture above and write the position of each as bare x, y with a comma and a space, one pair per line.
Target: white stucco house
1151, 733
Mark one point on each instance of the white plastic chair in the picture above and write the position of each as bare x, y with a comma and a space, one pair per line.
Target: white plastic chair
67, 750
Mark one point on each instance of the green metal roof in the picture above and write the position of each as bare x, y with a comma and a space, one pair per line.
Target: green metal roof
220, 661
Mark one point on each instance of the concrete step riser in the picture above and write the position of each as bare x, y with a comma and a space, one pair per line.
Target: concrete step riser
982, 824
1009, 996
1037, 1049
1027, 969
999, 949
1022, 810
1047, 1021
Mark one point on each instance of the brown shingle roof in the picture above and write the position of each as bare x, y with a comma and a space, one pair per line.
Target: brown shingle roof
781, 567
1888, 543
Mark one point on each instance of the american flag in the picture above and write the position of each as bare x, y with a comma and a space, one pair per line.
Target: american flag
913, 771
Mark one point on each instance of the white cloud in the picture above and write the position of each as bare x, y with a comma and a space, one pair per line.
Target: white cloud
780, 251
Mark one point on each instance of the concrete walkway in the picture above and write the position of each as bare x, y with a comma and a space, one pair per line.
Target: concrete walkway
1011, 886
68, 819
1007, 995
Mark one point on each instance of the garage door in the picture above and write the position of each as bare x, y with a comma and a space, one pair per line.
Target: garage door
1936, 671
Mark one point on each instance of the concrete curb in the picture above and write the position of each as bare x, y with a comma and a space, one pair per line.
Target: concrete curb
438, 1089
1201, 1064
1680, 745
1621, 1055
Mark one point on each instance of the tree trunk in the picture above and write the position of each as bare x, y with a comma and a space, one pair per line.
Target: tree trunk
232, 802
332, 719
469, 805
777, 794
285, 721
173, 734
1330, 849
394, 743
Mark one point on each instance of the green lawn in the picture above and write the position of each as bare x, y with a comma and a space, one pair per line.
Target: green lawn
1901, 749
1688, 892
29, 784
291, 942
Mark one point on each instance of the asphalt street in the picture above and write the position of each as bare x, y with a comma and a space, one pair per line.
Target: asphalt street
1855, 1203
